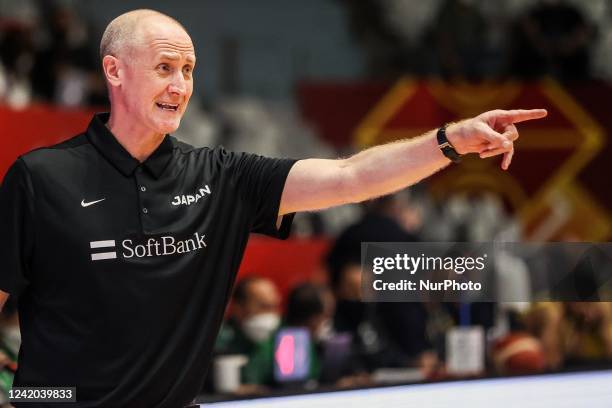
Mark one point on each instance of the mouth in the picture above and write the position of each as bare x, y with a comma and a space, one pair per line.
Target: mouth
172, 107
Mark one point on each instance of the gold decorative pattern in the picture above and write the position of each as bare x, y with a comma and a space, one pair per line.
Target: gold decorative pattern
584, 139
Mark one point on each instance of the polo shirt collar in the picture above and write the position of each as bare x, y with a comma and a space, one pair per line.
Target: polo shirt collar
103, 139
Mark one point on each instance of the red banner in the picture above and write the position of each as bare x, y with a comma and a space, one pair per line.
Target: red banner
36, 126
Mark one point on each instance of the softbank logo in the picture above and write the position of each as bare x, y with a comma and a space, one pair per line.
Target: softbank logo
103, 255
162, 246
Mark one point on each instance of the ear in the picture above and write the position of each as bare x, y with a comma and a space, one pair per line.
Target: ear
110, 66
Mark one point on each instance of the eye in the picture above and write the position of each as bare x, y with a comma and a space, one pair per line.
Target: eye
163, 67
187, 70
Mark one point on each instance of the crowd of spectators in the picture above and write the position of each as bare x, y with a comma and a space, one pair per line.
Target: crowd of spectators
409, 340
49, 56
479, 40
49, 51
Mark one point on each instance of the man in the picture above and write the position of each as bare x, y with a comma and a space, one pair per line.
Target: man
122, 243
255, 312
255, 317
398, 329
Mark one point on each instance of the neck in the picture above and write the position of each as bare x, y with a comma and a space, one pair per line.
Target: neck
139, 141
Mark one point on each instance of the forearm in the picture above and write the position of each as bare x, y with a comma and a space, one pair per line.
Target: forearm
314, 184
387, 168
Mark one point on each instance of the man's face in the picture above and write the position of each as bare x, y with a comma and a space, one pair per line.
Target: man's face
263, 297
158, 76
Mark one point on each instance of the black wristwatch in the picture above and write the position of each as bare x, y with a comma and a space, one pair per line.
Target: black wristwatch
447, 148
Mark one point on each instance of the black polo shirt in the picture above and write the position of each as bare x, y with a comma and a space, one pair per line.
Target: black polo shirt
123, 269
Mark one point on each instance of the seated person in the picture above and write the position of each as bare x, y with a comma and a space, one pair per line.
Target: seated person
312, 307
572, 332
385, 334
254, 318
308, 306
332, 356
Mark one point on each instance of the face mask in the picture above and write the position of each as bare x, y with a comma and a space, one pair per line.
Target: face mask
12, 338
260, 327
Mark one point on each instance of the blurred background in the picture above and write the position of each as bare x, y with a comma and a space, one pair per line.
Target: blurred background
326, 78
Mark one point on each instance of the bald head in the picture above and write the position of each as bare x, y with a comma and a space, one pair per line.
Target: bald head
148, 60
125, 31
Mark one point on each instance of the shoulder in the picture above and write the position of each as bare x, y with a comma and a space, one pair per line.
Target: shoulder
42, 157
185, 149
217, 156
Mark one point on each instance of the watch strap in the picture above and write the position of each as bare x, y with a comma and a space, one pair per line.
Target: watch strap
446, 147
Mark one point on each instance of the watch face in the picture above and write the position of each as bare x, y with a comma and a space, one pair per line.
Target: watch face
451, 154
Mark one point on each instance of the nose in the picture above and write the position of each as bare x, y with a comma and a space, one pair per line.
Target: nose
178, 84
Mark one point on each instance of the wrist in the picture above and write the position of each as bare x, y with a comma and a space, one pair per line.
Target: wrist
454, 134
445, 145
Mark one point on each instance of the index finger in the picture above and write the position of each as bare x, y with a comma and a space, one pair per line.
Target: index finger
521, 115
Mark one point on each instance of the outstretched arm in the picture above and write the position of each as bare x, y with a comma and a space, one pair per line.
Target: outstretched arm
314, 184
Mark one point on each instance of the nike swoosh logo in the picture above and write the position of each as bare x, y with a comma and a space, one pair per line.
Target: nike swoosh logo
84, 204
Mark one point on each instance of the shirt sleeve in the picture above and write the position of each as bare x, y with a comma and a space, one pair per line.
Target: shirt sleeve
17, 226
261, 181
